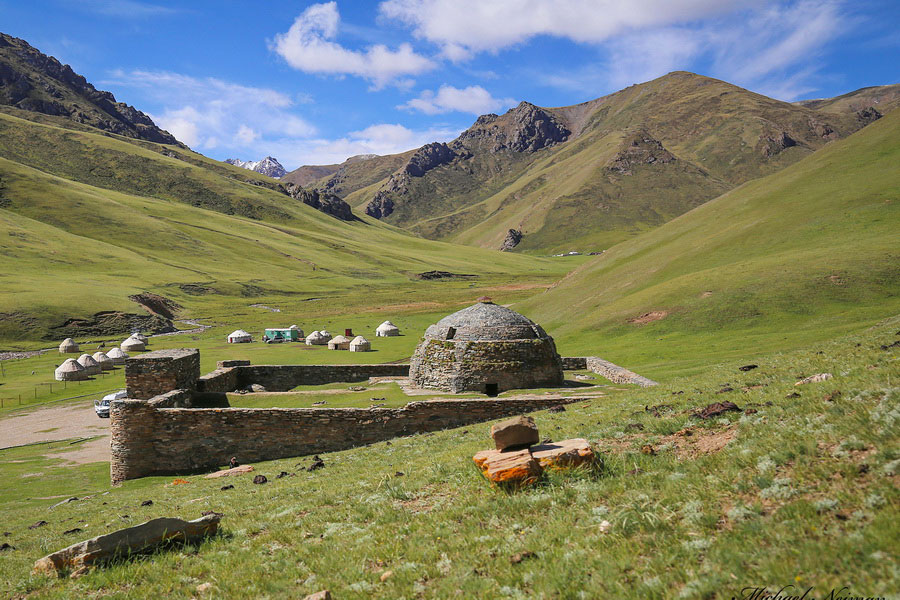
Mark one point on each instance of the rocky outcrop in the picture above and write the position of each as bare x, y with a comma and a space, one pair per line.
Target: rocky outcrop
639, 149
35, 82
323, 201
380, 206
428, 157
513, 237
772, 144
868, 115
525, 128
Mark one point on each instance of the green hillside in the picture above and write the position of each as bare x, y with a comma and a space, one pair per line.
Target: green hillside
588, 176
87, 220
804, 254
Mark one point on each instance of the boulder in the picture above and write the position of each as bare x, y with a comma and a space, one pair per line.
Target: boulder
125, 541
512, 467
482, 456
815, 378
564, 454
321, 595
229, 472
514, 433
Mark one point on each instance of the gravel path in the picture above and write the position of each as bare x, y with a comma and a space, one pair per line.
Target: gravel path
75, 420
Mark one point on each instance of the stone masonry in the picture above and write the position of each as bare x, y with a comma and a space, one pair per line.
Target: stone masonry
161, 371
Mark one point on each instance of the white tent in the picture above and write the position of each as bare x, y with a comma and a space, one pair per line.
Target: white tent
132, 345
91, 366
68, 346
339, 343
316, 339
70, 370
360, 344
104, 361
239, 337
117, 356
387, 329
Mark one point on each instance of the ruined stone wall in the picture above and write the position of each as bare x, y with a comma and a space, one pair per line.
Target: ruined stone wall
282, 378
148, 441
161, 371
615, 373
574, 363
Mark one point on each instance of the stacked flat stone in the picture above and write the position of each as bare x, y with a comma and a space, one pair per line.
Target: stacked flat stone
486, 348
518, 458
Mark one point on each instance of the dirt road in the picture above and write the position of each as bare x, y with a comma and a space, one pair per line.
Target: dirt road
75, 420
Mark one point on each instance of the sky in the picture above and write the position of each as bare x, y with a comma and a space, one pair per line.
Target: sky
316, 83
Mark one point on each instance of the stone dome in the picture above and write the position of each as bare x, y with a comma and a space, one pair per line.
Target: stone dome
486, 348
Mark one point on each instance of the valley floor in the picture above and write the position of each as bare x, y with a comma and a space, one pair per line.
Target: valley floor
799, 488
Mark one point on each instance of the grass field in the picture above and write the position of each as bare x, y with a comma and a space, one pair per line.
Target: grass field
803, 492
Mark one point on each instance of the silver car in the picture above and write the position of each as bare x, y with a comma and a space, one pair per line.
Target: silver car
101, 407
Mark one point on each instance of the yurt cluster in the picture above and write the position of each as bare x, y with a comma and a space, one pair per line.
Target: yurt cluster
88, 365
317, 338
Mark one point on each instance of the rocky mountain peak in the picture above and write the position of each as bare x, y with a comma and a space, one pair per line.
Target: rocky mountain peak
525, 128
267, 166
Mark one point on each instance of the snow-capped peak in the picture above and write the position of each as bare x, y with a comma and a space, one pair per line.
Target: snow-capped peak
267, 166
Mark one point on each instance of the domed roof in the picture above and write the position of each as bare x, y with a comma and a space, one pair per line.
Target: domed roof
485, 321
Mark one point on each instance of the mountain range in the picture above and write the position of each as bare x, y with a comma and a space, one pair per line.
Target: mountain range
587, 176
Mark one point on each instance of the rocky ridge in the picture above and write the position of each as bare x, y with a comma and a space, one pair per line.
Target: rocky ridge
35, 82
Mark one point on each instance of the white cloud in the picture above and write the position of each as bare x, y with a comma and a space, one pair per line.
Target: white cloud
464, 27
473, 99
307, 46
205, 113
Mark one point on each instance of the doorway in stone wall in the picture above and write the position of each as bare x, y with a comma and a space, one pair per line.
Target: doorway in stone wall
491, 389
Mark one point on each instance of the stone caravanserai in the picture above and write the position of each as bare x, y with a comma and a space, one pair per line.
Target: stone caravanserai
176, 421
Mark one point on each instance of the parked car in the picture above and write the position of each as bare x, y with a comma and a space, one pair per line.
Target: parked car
101, 407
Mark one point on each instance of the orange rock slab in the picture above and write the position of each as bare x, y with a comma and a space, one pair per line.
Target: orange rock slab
564, 454
517, 467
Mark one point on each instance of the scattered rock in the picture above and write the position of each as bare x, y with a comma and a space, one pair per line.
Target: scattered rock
634, 427
399, 474
356, 388
226, 487
71, 531
831, 397
564, 454
125, 541
746, 368
260, 479
4, 547
320, 403
793, 395
431, 275
147, 503
557, 409
648, 449
581, 377
321, 595
66, 501
815, 378
717, 408
206, 513
255, 387
204, 587
386, 575
241, 470
520, 556
649, 317
38, 524
317, 463
514, 433
725, 390
863, 468
750, 411
889, 346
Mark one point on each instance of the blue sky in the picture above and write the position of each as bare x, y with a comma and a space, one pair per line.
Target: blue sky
314, 83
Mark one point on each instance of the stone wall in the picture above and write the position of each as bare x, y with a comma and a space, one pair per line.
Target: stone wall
155, 441
161, 371
574, 363
615, 373
282, 378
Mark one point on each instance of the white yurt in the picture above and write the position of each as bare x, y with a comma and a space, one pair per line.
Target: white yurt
387, 329
132, 345
91, 366
68, 346
339, 342
104, 361
117, 356
316, 339
239, 337
70, 370
360, 344
324, 333
140, 337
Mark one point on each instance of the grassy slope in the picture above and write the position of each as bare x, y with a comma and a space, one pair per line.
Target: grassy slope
74, 249
801, 255
884, 98
716, 130
786, 491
